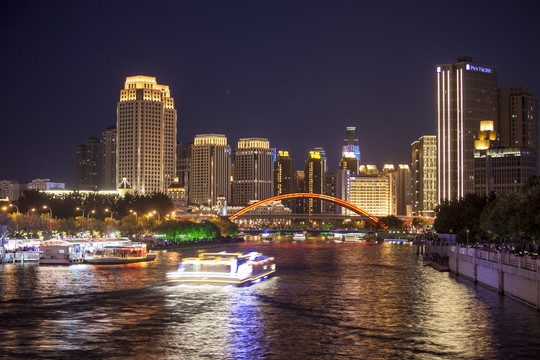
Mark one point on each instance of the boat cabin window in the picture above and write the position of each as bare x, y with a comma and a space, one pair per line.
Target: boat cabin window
199, 267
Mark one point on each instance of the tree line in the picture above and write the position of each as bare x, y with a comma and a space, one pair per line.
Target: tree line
512, 218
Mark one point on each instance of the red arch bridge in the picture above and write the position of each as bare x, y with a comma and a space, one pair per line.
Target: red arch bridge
332, 199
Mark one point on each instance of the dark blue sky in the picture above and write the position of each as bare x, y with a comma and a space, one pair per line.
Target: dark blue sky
297, 72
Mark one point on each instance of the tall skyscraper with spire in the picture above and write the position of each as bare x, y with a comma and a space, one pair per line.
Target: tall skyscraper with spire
146, 135
466, 95
350, 159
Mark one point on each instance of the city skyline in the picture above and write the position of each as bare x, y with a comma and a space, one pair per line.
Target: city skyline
296, 74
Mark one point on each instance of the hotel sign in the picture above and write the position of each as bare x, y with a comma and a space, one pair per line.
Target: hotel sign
478, 68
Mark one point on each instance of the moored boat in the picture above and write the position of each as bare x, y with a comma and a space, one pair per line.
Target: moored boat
123, 254
299, 237
224, 269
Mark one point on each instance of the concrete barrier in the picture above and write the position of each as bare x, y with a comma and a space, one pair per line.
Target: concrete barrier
517, 276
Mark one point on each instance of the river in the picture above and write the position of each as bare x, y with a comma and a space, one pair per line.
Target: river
327, 301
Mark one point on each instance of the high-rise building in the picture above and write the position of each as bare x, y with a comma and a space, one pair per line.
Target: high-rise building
183, 166
330, 189
500, 170
146, 123
424, 176
315, 172
466, 95
210, 171
108, 144
253, 171
403, 190
350, 154
300, 203
371, 193
518, 119
284, 177
89, 157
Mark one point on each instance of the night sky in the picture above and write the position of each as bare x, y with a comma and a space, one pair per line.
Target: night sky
294, 72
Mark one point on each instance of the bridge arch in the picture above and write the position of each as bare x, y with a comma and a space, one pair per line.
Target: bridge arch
337, 201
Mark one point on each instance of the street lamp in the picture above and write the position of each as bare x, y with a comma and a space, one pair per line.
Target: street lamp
15, 208
91, 212
112, 212
467, 231
31, 210
134, 213
81, 210
50, 215
158, 217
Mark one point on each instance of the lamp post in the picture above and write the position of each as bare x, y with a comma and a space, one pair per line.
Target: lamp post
15, 208
50, 215
467, 231
81, 209
112, 212
31, 210
91, 212
134, 213
158, 217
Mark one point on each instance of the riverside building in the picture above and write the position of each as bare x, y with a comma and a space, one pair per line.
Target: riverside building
253, 171
89, 165
210, 170
315, 173
108, 144
350, 155
466, 95
424, 176
284, 177
146, 138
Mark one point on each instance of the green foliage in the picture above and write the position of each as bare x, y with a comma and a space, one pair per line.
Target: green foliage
515, 215
179, 231
225, 226
393, 222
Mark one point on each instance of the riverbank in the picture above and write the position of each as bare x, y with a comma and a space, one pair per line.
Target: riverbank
194, 244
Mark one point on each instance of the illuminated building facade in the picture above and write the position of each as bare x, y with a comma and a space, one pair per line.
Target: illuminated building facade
500, 170
177, 194
253, 171
146, 123
315, 172
466, 95
210, 171
371, 193
284, 177
108, 144
403, 190
89, 175
350, 155
424, 176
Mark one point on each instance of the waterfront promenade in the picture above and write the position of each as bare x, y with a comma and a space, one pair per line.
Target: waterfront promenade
509, 274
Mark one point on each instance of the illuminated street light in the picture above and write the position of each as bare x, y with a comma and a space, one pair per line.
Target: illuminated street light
78, 208
134, 213
91, 212
112, 212
50, 213
158, 217
15, 208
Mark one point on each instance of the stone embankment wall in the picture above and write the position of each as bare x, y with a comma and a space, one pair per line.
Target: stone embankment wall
517, 276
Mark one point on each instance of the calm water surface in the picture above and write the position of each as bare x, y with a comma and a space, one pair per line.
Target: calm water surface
328, 301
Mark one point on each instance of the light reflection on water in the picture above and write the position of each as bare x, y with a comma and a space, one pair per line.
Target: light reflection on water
328, 301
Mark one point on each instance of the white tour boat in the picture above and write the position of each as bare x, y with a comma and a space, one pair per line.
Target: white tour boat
224, 269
